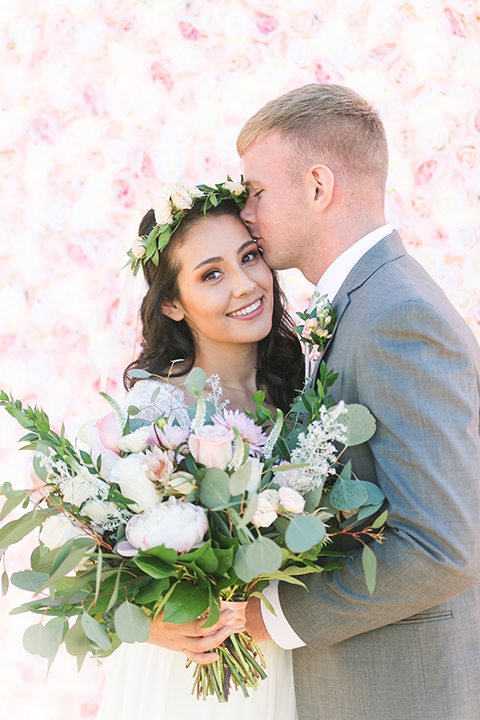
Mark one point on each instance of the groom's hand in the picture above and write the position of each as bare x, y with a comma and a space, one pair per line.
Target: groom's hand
193, 640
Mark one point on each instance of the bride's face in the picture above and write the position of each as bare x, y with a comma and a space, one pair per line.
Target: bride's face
226, 288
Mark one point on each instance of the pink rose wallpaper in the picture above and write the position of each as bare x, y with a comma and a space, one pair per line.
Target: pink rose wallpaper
104, 101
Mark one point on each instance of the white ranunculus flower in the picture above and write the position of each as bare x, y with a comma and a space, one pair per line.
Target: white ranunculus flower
265, 514
136, 441
129, 474
175, 524
291, 500
163, 210
99, 511
57, 530
234, 187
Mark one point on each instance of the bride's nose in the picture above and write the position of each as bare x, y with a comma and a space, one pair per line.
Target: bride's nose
242, 284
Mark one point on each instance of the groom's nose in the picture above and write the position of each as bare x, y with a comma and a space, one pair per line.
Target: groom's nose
247, 215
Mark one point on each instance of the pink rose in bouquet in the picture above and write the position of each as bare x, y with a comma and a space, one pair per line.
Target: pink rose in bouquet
211, 445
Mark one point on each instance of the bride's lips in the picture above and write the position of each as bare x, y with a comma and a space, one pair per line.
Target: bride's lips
250, 311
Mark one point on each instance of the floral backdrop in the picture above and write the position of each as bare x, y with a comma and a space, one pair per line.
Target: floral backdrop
102, 101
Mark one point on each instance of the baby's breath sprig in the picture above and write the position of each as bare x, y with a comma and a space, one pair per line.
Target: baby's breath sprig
170, 207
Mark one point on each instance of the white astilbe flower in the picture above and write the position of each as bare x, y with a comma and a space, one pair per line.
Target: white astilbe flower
75, 488
200, 414
316, 449
274, 435
216, 393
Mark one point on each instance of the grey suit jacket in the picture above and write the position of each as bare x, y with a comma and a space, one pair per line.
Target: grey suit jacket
412, 650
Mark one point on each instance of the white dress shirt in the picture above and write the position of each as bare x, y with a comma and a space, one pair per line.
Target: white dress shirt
329, 284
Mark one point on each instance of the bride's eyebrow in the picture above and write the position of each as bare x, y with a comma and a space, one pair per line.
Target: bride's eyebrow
220, 259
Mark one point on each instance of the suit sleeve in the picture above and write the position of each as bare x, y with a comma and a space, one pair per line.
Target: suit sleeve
413, 370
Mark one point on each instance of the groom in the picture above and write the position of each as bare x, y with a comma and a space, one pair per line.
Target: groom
316, 164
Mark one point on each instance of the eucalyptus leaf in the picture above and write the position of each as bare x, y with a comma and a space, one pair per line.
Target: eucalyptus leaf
4, 583
131, 623
375, 494
263, 556
215, 488
360, 424
239, 480
186, 603
267, 602
369, 562
348, 494
57, 625
76, 641
69, 564
14, 498
139, 373
40, 640
303, 532
312, 499
95, 631
367, 510
250, 511
29, 580
240, 565
380, 521
15, 530
195, 380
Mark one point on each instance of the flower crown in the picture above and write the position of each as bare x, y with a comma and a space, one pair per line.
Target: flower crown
171, 206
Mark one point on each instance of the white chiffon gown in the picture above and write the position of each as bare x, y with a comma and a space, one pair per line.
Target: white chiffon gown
148, 681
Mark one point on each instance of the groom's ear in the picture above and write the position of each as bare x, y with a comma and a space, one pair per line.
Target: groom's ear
322, 183
172, 309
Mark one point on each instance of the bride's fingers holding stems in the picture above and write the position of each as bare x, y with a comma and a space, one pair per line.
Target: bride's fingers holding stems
192, 639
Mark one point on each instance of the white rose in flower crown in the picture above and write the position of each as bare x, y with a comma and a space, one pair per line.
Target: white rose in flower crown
265, 514
181, 198
175, 524
211, 445
234, 187
291, 500
195, 192
138, 248
134, 484
57, 530
137, 440
162, 210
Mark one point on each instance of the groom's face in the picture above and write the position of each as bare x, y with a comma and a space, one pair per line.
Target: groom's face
276, 210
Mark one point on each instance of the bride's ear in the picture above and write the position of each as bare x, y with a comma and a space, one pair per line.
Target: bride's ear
172, 309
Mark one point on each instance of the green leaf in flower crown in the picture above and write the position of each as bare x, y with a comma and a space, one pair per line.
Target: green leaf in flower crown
29, 580
263, 556
186, 603
348, 494
303, 532
369, 562
360, 423
95, 631
131, 623
40, 640
214, 489
239, 480
240, 565
76, 642
195, 380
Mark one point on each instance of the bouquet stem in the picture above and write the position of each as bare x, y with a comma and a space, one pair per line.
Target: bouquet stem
240, 665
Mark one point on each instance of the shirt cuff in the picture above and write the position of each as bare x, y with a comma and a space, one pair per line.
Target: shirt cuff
277, 625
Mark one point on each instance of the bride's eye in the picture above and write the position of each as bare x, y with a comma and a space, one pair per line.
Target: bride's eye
250, 256
211, 275
257, 194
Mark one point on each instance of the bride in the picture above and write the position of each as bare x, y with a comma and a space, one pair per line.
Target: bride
213, 303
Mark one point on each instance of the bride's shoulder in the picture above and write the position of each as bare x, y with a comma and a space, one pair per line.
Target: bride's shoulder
157, 397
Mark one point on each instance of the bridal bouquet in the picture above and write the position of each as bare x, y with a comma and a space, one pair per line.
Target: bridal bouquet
153, 518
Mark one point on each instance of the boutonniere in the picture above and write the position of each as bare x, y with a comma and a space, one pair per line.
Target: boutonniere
316, 330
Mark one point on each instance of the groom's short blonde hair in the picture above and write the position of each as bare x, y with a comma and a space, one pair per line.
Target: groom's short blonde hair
324, 123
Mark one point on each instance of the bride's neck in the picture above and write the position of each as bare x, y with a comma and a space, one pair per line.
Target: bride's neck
236, 367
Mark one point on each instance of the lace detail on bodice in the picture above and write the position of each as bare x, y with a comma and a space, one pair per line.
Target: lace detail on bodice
169, 401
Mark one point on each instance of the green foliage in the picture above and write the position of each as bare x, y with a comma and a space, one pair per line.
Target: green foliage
131, 623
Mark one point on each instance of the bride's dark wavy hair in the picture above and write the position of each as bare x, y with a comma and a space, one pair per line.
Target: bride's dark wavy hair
279, 360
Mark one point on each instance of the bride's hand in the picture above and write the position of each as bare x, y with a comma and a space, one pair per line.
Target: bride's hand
193, 640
